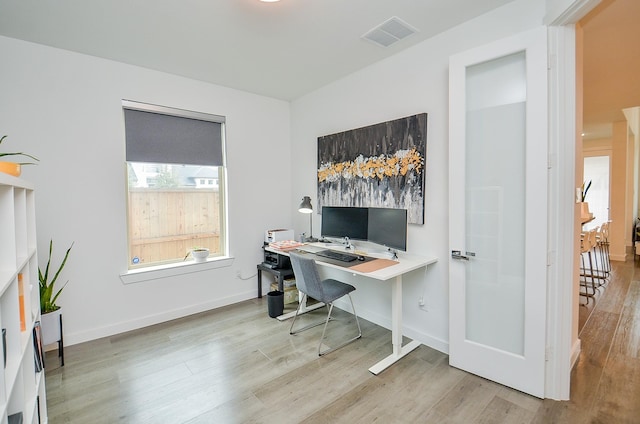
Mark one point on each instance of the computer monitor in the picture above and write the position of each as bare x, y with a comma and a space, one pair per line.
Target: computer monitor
343, 221
388, 227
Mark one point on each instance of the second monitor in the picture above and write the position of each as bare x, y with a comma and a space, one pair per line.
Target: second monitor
384, 226
388, 227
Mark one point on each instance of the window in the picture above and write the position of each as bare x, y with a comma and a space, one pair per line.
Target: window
175, 183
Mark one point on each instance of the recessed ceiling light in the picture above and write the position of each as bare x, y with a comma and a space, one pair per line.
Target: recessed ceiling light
269, 1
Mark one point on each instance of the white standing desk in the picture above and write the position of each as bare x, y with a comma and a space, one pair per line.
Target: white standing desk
406, 263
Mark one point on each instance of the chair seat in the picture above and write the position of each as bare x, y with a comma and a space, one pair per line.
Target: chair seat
334, 289
326, 291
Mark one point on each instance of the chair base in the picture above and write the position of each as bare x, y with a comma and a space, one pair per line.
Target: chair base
325, 322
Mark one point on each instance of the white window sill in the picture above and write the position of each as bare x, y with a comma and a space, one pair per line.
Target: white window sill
171, 270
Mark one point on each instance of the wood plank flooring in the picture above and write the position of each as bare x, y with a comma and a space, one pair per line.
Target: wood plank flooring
237, 365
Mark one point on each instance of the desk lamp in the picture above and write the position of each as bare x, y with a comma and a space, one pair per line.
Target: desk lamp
305, 207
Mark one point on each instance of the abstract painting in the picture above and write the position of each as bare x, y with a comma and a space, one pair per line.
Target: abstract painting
381, 165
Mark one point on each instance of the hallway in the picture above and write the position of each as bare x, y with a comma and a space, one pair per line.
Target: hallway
605, 382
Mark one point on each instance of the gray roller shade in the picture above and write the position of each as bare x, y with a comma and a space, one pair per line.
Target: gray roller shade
163, 138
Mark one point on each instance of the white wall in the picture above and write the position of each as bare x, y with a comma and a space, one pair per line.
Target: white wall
65, 108
410, 82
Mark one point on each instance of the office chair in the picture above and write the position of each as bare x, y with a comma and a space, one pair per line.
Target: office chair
326, 291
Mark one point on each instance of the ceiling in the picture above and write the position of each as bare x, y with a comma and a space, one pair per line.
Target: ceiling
611, 65
289, 48
282, 50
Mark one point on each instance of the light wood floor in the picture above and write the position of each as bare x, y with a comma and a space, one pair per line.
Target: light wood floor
237, 365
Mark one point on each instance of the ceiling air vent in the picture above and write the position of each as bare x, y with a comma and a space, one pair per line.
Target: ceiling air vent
392, 30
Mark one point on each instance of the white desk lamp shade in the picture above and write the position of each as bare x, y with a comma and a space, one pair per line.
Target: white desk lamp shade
305, 206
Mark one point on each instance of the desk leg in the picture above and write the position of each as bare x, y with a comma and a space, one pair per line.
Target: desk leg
399, 351
280, 282
396, 316
259, 282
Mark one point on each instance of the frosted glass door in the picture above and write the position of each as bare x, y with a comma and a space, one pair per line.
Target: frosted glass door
495, 206
498, 211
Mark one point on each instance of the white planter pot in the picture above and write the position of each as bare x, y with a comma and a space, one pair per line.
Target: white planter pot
51, 331
200, 255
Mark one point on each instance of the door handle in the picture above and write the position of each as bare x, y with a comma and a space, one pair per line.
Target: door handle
456, 254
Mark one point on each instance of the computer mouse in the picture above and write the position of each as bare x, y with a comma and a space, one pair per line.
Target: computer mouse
361, 258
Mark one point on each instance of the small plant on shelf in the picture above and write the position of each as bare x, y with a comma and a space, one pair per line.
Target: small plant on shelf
200, 254
13, 168
2, 155
48, 294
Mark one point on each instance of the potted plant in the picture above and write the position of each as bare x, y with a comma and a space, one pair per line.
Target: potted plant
13, 168
585, 214
199, 254
51, 312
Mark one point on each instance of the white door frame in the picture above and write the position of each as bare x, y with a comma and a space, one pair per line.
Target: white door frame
563, 345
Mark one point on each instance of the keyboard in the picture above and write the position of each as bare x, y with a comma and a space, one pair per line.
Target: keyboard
332, 254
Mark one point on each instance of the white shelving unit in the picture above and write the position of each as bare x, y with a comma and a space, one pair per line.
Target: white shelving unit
22, 389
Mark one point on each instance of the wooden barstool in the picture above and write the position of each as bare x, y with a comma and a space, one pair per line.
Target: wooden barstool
587, 279
602, 246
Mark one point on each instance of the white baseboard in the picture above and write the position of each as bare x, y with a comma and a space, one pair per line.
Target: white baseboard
121, 327
575, 352
427, 340
385, 321
620, 258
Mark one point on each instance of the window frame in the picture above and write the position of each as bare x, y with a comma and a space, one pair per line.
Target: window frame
165, 269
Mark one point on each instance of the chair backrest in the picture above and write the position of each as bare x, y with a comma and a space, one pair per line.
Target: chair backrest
307, 277
604, 231
588, 241
585, 242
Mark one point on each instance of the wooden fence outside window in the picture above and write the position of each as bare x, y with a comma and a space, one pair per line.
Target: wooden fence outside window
165, 224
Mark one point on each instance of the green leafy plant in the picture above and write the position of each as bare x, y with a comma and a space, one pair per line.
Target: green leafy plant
585, 188
18, 154
48, 294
